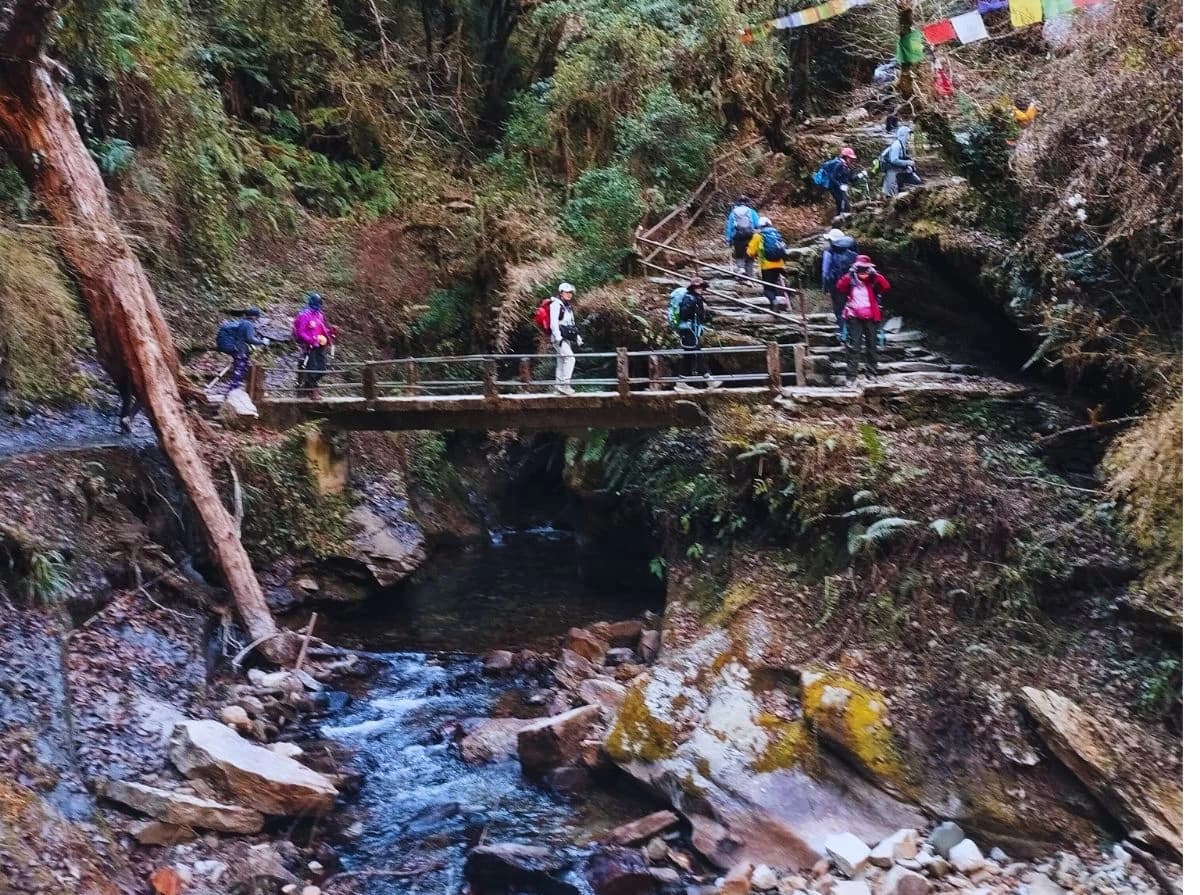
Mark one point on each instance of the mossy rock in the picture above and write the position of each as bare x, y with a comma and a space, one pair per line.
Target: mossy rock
854, 719
637, 734
791, 745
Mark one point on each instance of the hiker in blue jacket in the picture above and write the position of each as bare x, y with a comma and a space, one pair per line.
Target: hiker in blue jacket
835, 261
234, 337
740, 227
836, 176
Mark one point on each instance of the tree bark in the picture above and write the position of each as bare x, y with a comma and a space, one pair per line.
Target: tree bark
904, 13
132, 338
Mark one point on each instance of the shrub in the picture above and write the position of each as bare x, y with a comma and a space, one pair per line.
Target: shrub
41, 326
601, 215
668, 144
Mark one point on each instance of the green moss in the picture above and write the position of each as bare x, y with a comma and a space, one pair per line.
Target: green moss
637, 734
737, 596
790, 744
858, 726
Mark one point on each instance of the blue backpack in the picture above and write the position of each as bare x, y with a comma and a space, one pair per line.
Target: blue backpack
228, 336
673, 307
773, 246
823, 176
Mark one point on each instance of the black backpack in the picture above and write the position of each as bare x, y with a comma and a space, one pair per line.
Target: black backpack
842, 261
228, 336
689, 307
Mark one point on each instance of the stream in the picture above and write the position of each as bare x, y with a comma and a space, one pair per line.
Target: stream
421, 807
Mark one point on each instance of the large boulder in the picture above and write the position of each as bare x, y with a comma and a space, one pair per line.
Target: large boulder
614, 870
643, 828
698, 730
607, 694
1108, 757
587, 644
252, 775
182, 809
556, 741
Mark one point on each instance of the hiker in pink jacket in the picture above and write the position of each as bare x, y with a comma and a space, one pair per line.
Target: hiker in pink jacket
862, 287
314, 336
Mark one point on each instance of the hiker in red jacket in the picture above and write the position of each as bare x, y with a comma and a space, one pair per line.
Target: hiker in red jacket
862, 287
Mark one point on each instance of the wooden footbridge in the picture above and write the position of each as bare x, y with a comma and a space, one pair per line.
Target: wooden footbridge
620, 389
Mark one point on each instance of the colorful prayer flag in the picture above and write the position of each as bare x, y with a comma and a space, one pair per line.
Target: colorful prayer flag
910, 49
794, 20
969, 27
809, 16
1025, 12
746, 36
1054, 8
939, 32
1080, 4
986, 6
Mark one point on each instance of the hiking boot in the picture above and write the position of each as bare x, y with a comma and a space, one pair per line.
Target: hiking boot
564, 389
710, 383
852, 382
682, 386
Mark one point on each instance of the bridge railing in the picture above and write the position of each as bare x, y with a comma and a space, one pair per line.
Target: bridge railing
620, 373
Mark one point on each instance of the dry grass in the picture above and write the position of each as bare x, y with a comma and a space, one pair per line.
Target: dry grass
41, 326
525, 285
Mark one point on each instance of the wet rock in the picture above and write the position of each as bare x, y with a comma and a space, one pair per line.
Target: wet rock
236, 717
622, 633
592, 755
997, 854
648, 645
237, 411
900, 845
613, 870
737, 880
493, 739
390, 555
666, 876
656, 849
311, 890
620, 655
644, 828
586, 644
156, 832
252, 705
966, 857
572, 669
901, 881
556, 741
763, 879
506, 864
848, 853
498, 661
182, 809
945, 836
1105, 754
253, 775
602, 692
569, 780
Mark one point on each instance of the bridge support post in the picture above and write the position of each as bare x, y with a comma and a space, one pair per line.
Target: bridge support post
525, 374
256, 383
411, 375
774, 370
491, 391
623, 373
652, 364
370, 385
800, 360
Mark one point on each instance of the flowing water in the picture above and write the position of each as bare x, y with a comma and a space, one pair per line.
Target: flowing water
421, 807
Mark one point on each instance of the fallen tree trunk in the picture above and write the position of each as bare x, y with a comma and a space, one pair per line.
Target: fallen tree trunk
132, 337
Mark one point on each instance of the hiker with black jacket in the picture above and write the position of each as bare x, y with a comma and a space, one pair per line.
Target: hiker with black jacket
690, 329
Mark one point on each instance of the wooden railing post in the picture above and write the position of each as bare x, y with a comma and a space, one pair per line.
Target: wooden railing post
256, 383
412, 375
525, 374
623, 372
370, 385
490, 390
799, 359
774, 371
652, 364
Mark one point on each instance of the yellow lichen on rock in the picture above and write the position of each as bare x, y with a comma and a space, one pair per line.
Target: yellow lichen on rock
791, 744
637, 734
854, 718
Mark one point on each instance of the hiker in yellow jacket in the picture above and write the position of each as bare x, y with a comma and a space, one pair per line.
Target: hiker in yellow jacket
768, 247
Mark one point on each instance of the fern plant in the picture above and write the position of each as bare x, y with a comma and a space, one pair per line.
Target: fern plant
877, 534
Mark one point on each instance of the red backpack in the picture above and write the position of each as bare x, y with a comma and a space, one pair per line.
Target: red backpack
542, 315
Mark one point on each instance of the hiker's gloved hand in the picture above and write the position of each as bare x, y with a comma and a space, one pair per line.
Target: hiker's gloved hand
266, 342
845, 187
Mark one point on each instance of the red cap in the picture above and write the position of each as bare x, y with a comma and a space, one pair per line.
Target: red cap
863, 261
847, 152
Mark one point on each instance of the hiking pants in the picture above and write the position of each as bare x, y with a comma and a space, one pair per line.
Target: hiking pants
841, 199
564, 364
241, 366
865, 332
775, 278
694, 363
839, 307
312, 366
742, 263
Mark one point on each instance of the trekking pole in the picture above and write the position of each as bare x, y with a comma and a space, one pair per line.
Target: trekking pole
219, 376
